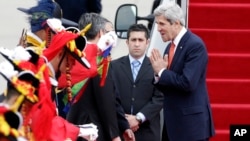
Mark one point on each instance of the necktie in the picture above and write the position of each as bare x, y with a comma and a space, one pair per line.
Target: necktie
171, 53
135, 68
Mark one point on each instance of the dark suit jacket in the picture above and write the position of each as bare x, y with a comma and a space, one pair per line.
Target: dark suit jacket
187, 111
122, 121
141, 94
97, 105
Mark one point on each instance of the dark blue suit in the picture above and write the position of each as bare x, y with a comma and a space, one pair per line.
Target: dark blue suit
144, 97
187, 111
73, 9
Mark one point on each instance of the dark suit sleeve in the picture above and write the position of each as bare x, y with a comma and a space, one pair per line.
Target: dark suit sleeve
188, 70
105, 98
152, 108
122, 121
155, 104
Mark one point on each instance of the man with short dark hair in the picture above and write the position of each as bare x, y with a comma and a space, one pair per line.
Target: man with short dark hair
140, 100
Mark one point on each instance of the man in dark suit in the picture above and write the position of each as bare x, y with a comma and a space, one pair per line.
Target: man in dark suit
96, 99
182, 79
139, 98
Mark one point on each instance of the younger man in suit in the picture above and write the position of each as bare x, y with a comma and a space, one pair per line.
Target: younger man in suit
139, 98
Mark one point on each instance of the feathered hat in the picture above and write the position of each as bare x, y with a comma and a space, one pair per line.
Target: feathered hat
74, 43
44, 10
21, 58
10, 122
24, 82
31, 81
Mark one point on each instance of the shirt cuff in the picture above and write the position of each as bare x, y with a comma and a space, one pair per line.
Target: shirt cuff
160, 72
143, 118
157, 78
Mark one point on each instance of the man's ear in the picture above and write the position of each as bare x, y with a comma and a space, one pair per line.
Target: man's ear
100, 33
127, 42
148, 41
177, 23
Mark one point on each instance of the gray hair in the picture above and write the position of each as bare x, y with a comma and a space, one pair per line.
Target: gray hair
172, 13
97, 23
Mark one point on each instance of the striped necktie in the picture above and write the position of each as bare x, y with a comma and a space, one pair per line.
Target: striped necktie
135, 68
171, 54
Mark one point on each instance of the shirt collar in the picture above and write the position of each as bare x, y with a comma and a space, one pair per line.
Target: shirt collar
179, 36
132, 59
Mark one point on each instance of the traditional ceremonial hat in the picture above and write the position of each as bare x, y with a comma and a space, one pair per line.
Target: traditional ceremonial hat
30, 79
43, 10
21, 71
24, 82
21, 58
72, 42
10, 122
71, 38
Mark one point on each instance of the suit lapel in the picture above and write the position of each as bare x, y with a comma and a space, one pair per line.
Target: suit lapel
179, 48
126, 68
144, 68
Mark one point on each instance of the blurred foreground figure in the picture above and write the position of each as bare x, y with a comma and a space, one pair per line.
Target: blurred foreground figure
40, 115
